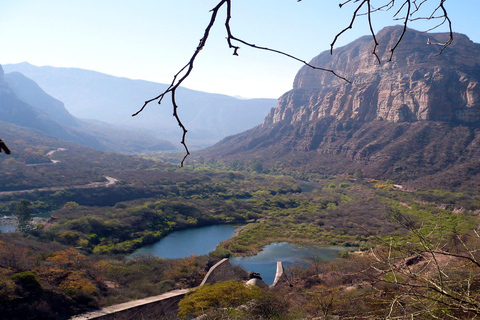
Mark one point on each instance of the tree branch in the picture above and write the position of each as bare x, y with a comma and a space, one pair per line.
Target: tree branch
186, 70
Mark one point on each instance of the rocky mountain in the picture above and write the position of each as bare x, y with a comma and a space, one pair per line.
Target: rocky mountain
418, 84
93, 95
24, 103
414, 119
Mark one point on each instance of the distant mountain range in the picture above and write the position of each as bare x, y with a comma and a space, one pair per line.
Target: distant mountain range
415, 119
24, 103
93, 95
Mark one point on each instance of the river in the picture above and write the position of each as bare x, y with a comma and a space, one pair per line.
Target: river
203, 240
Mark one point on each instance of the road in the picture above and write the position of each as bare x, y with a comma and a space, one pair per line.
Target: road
110, 181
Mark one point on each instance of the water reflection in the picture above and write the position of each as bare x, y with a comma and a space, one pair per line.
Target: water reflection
180, 244
265, 262
7, 228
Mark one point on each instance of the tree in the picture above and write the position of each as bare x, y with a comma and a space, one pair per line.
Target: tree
24, 215
359, 175
407, 11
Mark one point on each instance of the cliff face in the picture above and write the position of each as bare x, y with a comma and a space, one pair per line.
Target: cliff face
415, 119
417, 84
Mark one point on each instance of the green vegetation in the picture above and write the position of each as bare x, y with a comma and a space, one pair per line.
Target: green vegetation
76, 256
24, 215
226, 294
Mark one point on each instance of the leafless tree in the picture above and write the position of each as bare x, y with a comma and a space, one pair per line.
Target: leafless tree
435, 276
407, 11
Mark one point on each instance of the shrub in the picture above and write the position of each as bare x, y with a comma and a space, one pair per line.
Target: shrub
27, 280
225, 294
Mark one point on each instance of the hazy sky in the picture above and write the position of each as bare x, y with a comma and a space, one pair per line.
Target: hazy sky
153, 39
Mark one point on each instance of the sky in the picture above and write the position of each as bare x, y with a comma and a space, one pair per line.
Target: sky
153, 39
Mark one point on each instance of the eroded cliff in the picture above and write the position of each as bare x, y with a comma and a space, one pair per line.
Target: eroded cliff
414, 119
417, 84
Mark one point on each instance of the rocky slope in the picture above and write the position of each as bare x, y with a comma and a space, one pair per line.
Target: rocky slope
418, 84
414, 119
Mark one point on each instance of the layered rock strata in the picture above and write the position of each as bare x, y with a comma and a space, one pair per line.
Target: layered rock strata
418, 83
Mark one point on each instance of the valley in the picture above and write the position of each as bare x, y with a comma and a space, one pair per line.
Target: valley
384, 171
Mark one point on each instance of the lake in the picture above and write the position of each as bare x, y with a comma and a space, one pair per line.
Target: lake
183, 243
203, 240
265, 262
7, 228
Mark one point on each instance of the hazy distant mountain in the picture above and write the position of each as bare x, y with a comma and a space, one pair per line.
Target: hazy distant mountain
24, 103
416, 118
28, 91
93, 95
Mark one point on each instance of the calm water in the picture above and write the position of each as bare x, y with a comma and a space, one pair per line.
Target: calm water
203, 240
8, 228
265, 262
180, 244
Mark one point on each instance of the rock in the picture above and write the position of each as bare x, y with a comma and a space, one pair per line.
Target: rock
418, 84
413, 119
257, 282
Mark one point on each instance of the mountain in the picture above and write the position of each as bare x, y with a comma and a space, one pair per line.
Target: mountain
93, 95
414, 119
24, 103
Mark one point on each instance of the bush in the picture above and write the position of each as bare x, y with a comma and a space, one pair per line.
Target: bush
225, 294
27, 280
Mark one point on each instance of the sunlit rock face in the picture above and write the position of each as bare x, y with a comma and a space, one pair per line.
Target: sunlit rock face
417, 84
413, 119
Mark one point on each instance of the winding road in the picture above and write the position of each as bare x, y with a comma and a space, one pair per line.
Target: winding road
110, 181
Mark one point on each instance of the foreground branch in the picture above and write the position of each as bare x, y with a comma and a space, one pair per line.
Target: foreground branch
410, 16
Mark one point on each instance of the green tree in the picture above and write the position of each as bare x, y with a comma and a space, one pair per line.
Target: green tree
24, 214
359, 175
257, 166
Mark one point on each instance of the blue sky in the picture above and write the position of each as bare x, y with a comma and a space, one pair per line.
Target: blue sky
153, 39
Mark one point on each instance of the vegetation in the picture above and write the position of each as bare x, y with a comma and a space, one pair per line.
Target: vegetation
74, 260
226, 294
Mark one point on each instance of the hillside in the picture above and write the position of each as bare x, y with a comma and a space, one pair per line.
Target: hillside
23, 102
93, 95
414, 119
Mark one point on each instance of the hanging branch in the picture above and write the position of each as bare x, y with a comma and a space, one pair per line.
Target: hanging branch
184, 72
4, 147
412, 9
187, 69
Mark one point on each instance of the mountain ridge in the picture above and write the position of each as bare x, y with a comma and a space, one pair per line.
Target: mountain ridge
393, 121
24, 103
415, 85
93, 95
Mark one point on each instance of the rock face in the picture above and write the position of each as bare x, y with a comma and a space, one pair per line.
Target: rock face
417, 84
414, 119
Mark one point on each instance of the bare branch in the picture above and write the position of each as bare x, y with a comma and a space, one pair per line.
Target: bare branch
412, 9
405, 23
187, 69
4, 147
184, 72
